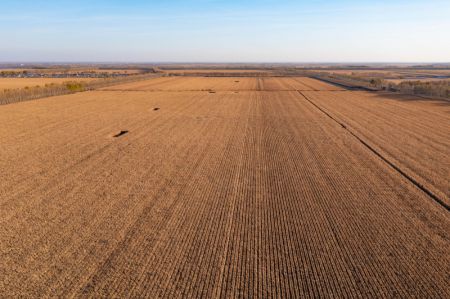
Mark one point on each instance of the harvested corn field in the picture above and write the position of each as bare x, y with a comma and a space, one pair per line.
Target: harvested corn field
410, 131
179, 84
224, 188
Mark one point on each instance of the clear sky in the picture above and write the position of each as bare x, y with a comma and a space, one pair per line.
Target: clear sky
225, 31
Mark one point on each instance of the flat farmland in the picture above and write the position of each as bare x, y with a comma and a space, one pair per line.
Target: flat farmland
410, 131
397, 81
17, 83
393, 72
233, 84
207, 187
212, 71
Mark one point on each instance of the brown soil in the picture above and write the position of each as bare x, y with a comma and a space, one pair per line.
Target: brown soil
180, 84
413, 132
251, 194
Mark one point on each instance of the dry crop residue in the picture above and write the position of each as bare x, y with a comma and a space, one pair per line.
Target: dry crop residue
249, 194
410, 131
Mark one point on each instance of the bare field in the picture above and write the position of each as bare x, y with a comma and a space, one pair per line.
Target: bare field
16, 83
412, 131
390, 72
255, 190
395, 76
212, 71
397, 81
236, 84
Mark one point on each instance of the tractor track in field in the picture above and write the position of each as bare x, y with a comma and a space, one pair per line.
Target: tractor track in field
397, 168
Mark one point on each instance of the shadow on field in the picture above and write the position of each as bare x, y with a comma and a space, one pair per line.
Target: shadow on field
121, 133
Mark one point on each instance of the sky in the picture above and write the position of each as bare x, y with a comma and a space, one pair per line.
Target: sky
225, 31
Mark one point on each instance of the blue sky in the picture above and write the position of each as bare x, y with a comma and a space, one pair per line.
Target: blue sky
225, 31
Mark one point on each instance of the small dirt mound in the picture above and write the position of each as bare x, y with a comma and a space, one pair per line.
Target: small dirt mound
156, 109
120, 133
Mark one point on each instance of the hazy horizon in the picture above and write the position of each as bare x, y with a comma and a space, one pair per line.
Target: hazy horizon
217, 31
230, 63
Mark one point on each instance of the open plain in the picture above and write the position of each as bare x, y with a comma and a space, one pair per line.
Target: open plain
223, 188
17, 83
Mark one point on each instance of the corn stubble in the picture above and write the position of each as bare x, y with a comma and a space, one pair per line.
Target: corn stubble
249, 194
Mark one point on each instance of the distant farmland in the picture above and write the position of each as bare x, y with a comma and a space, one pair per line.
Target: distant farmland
17, 83
225, 188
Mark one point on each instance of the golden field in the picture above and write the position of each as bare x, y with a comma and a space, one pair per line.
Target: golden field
225, 188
